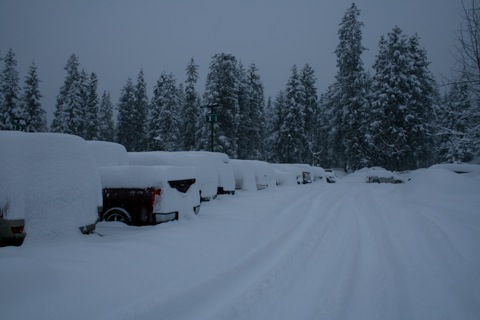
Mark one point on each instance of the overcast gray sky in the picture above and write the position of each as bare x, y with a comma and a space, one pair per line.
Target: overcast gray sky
116, 38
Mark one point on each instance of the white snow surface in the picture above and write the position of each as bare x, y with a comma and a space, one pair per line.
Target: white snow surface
349, 250
50, 181
108, 153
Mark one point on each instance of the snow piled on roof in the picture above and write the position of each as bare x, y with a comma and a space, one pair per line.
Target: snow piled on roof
50, 181
108, 153
143, 176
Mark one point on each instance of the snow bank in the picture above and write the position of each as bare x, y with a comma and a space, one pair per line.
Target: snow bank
206, 170
108, 153
51, 181
157, 177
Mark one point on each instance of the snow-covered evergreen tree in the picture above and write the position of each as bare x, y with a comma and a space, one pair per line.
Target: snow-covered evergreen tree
12, 113
251, 132
191, 113
292, 131
140, 113
164, 128
35, 115
328, 107
351, 111
307, 78
106, 126
277, 143
126, 118
91, 115
403, 101
221, 88
455, 120
69, 112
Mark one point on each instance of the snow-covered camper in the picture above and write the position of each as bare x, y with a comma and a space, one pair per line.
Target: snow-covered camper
49, 180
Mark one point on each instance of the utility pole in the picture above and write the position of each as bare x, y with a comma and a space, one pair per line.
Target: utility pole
211, 118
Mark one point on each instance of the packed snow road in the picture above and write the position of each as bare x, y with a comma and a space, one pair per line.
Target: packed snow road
349, 250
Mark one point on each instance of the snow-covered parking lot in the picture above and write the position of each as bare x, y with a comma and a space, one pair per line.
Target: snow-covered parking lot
349, 250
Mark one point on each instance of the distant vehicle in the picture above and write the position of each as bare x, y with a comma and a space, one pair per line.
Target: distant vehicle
11, 231
330, 176
380, 175
148, 195
49, 182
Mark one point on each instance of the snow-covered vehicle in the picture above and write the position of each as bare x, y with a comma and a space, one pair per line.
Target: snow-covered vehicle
147, 195
330, 176
207, 176
380, 175
50, 181
253, 174
226, 176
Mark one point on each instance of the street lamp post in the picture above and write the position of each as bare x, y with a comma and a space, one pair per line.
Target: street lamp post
211, 117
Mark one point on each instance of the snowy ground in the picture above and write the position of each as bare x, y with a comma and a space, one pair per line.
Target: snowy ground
349, 250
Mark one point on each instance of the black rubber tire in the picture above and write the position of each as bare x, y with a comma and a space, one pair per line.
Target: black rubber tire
116, 215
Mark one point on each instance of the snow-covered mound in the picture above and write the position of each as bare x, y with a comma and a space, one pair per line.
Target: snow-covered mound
49, 180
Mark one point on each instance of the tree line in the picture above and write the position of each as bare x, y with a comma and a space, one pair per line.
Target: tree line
395, 118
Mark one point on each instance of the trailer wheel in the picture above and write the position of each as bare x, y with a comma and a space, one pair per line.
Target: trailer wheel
117, 214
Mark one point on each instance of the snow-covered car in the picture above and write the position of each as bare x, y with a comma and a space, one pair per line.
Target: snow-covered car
380, 175
50, 181
207, 176
147, 195
330, 176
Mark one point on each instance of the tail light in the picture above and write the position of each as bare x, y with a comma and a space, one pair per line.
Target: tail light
155, 193
17, 229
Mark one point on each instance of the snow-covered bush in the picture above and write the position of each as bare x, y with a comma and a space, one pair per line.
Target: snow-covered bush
51, 181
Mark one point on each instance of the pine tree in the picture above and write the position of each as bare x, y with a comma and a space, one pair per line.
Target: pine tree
91, 117
69, 113
126, 121
251, 101
292, 131
35, 115
12, 115
140, 113
164, 133
277, 142
191, 113
328, 107
221, 88
307, 78
455, 121
402, 104
350, 112
106, 126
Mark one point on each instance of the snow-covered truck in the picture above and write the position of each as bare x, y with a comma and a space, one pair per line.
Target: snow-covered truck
148, 195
